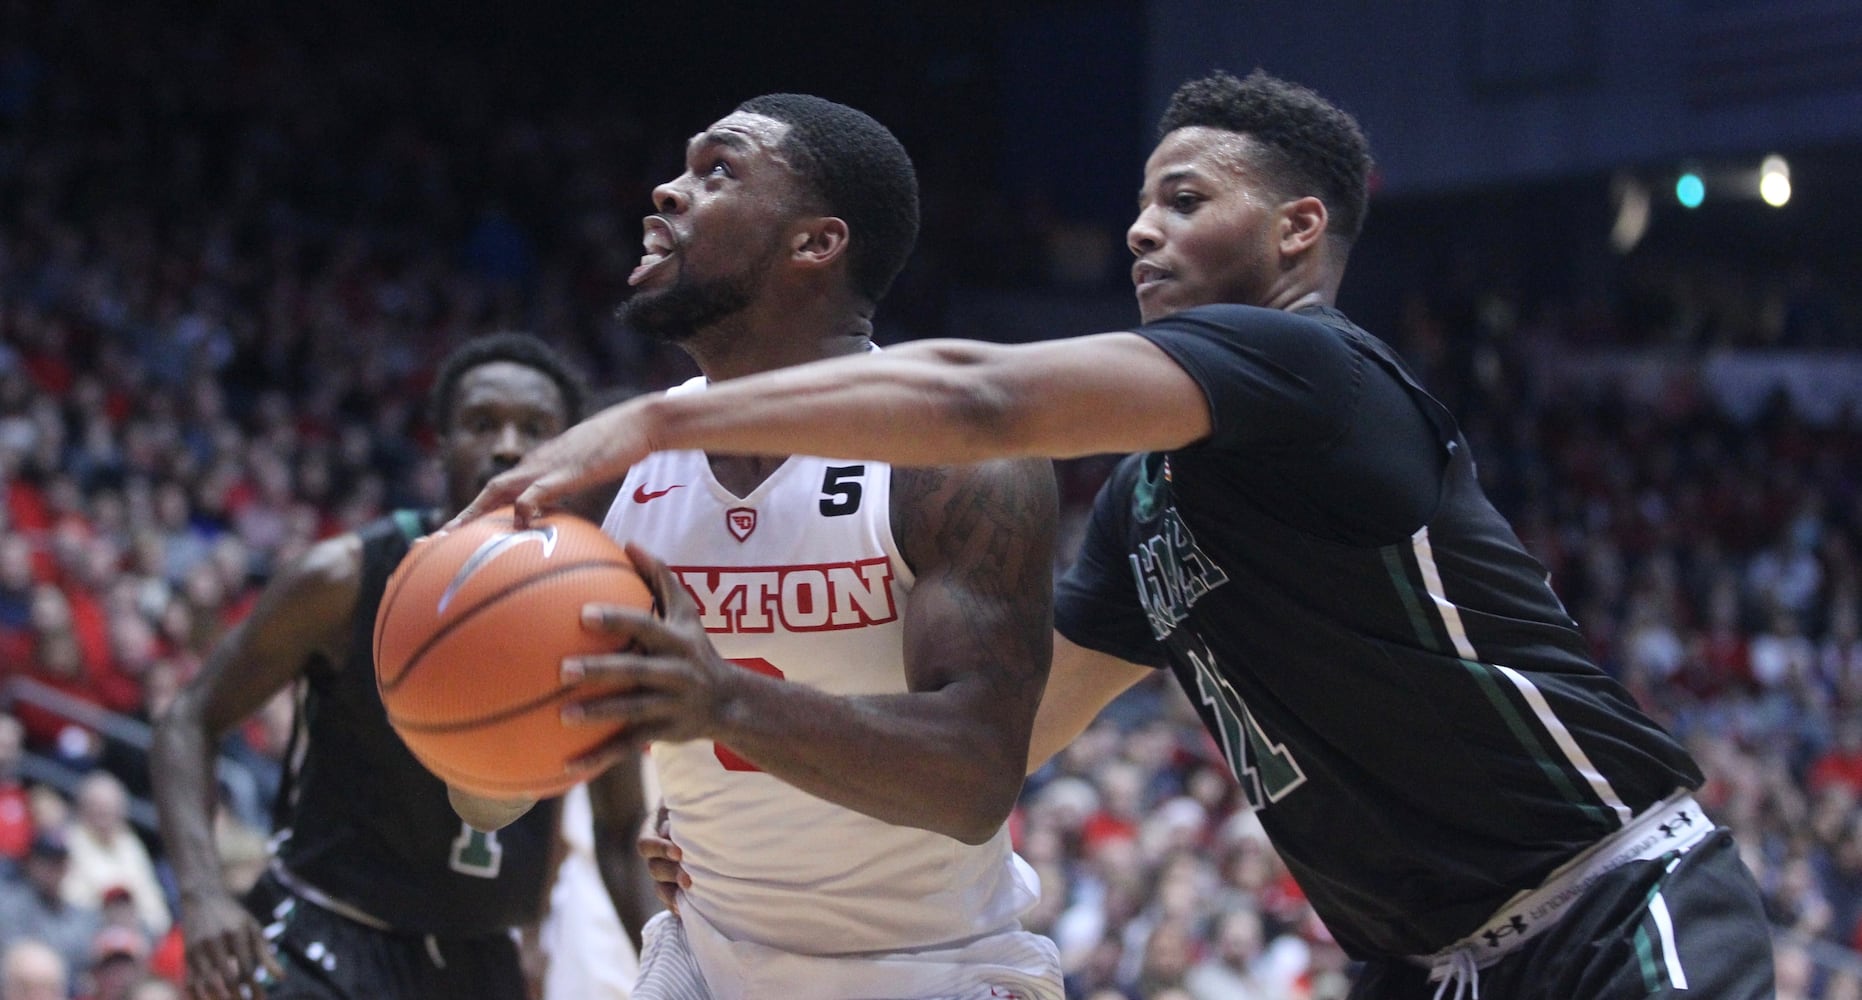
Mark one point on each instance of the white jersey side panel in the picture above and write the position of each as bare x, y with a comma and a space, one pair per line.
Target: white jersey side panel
802, 579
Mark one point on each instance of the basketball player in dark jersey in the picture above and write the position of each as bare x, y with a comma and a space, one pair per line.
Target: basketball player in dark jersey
1471, 805
376, 890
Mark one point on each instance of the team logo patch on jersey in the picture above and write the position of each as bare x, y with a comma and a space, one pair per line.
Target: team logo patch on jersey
741, 521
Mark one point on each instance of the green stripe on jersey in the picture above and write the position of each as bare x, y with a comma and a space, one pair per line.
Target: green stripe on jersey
1399, 578
1554, 767
1483, 675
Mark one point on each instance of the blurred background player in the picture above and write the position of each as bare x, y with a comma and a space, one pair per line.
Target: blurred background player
376, 890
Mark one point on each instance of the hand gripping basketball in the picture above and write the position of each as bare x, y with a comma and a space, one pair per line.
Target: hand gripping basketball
469, 642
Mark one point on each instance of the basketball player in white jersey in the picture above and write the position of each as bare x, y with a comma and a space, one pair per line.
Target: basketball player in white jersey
843, 676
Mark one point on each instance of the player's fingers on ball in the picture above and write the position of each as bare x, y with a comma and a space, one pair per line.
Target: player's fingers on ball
669, 595
668, 895
626, 671
615, 619
650, 633
639, 714
497, 492
648, 564
529, 503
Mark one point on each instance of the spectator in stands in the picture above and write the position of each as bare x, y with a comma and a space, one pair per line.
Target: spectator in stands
106, 853
1236, 968
32, 970
16, 583
1841, 763
154, 988
35, 908
1839, 655
119, 960
57, 662
15, 810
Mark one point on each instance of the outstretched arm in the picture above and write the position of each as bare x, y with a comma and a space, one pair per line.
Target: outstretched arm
946, 756
303, 614
1080, 685
927, 403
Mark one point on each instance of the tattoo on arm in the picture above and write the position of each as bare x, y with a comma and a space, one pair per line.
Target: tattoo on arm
993, 527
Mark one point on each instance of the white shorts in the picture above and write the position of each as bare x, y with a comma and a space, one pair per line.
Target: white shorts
590, 957
685, 958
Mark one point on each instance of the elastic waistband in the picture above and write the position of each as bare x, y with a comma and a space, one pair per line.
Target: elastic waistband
312, 894
1674, 826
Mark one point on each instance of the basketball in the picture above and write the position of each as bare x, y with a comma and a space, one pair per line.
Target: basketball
469, 643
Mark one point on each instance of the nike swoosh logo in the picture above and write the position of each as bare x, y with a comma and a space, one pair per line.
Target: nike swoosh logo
491, 548
641, 495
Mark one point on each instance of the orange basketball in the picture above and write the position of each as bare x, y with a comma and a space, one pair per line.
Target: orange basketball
469, 643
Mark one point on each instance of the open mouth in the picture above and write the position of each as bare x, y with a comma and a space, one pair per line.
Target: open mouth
658, 245
1144, 274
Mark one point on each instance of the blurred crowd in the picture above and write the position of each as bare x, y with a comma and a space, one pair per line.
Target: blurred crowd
231, 253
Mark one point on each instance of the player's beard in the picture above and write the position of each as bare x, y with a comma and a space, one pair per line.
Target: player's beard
674, 314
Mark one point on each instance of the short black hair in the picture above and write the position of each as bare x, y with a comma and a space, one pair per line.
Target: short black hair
517, 348
860, 172
1313, 147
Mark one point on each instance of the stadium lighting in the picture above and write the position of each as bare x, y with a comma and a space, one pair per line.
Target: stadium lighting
1775, 181
1690, 190
1632, 213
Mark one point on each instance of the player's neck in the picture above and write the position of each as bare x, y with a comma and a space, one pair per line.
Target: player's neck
757, 341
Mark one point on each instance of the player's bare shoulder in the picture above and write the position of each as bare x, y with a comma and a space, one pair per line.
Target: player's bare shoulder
995, 516
328, 567
316, 593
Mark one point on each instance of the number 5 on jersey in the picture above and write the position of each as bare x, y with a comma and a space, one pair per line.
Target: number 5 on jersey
840, 490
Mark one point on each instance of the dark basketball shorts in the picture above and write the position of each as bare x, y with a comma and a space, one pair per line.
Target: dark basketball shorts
1681, 926
327, 956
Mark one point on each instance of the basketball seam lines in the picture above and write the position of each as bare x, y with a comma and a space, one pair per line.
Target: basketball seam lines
465, 615
404, 571
500, 715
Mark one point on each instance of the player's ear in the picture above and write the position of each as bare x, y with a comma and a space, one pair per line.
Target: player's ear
821, 241
1303, 223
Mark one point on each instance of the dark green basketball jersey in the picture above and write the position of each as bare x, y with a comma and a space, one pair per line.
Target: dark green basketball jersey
365, 823
1387, 670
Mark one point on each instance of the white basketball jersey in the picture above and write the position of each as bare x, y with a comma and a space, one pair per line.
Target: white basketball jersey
802, 580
